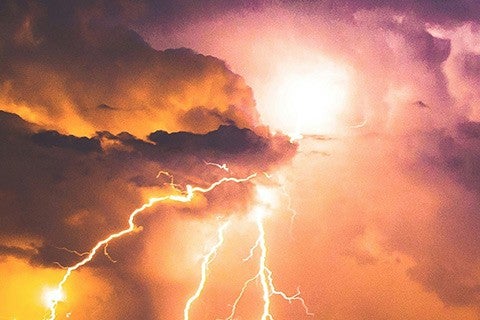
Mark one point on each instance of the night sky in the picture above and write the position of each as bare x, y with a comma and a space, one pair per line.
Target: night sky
344, 137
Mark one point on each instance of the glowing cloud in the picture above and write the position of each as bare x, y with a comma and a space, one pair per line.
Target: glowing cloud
309, 97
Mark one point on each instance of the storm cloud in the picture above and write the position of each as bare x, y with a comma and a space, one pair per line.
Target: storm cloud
98, 105
58, 187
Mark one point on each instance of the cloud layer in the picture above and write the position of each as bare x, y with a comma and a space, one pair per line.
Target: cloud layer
69, 191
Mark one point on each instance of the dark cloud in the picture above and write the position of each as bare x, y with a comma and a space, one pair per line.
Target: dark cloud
13, 251
174, 14
52, 138
70, 191
430, 10
221, 140
459, 153
105, 107
468, 67
470, 129
183, 11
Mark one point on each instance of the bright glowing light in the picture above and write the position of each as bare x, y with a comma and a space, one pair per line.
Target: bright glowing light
309, 98
258, 213
266, 195
51, 296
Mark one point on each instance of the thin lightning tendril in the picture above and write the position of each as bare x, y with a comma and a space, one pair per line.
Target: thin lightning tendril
107, 254
289, 208
239, 297
285, 193
222, 166
207, 259
184, 197
75, 252
252, 251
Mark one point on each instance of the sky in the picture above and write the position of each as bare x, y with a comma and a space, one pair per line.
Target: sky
327, 150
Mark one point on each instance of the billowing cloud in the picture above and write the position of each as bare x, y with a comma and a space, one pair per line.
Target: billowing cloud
72, 67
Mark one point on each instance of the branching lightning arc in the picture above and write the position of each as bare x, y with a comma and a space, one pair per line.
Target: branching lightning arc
264, 274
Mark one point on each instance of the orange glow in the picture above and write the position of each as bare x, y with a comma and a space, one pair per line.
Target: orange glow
22, 289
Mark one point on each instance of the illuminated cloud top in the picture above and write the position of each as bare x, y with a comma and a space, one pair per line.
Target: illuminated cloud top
64, 68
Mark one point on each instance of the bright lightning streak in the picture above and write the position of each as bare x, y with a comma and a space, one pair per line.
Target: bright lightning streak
207, 259
52, 296
266, 278
262, 270
264, 274
184, 197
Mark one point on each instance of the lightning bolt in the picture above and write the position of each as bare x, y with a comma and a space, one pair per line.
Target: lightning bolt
169, 176
165, 173
264, 275
207, 259
185, 196
280, 180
